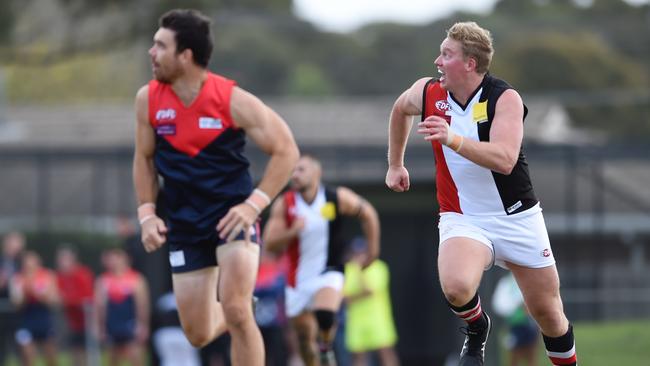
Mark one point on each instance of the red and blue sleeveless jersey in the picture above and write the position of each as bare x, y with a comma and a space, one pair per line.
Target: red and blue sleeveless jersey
120, 307
35, 315
199, 153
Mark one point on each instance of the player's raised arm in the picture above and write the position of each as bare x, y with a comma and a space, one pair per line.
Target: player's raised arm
352, 204
406, 106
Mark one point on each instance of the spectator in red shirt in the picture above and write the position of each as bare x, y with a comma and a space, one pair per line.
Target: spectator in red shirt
75, 283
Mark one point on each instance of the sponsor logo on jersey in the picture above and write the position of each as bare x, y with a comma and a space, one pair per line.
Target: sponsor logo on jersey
512, 208
328, 211
210, 123
546, 253
479, 112
443, 106
166, 129
166, 114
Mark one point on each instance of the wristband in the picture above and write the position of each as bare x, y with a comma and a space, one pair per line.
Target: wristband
146, 209
457, 143
258, 200
454, 142
147, 218
253, 205
460, 145
263, 195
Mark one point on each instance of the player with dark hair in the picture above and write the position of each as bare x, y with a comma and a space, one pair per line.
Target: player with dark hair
191, 129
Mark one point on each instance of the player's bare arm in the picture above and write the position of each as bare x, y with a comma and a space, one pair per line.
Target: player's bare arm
277, 236
406, 106
272, 135
501, 152
145, 175
17, 291
142, 309
351, 204
101, 297
51, 296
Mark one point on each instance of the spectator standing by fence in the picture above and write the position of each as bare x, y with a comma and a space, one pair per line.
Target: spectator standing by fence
75, 282
370, 327
34, 292
13, 244
122, 301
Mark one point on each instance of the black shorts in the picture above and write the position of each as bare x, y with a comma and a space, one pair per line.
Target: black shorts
36, 324
121, 339
524, 335
192, 256
77, 339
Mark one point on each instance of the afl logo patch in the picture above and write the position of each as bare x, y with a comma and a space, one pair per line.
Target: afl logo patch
443, 106
165, 114
546, 253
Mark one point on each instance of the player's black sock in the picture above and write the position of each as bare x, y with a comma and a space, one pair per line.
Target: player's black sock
562, 350
471, 312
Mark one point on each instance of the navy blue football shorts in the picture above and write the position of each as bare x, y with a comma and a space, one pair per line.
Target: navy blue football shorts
195, 255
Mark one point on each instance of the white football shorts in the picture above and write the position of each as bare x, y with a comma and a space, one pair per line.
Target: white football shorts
521, 238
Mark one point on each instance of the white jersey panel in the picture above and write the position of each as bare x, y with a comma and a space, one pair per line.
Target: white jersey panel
477, 191
314, 237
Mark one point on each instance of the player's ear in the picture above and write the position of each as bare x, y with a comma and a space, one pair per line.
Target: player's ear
471, 64
187, 56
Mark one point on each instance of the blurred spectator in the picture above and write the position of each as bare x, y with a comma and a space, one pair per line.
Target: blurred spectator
152, 266
370, 326
129, 237
343, 356
269, 311
34, 292
122, 302
523, 333
76, 289
13, 245
170, 342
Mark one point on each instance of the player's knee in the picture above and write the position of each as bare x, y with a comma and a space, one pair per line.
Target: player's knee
325, 319
198, 337
236, 314
458, 291
305, 343
304, 340
458, 294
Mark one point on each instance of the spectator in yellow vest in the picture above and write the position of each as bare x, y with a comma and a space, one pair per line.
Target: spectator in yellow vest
369, 327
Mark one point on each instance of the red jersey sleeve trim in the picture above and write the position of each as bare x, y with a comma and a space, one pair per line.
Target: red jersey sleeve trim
153, 89
223, 88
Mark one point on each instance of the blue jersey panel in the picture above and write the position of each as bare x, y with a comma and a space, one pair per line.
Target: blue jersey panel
199, 190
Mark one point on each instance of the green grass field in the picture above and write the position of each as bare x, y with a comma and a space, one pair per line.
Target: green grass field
608, 344
598, 344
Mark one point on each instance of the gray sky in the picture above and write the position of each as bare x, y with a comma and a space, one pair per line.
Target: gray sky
347, 15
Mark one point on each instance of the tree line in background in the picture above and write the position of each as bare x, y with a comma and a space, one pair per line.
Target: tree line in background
591, 55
